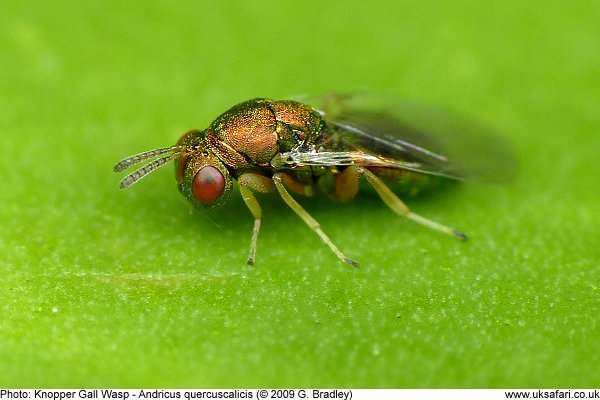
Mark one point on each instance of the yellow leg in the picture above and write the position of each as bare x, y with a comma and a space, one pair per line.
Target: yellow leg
278, 179
400, 208
259, 183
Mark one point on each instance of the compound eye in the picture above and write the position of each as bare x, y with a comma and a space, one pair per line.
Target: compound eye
208, 184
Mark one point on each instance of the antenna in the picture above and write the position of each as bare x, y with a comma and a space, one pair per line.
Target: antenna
148, 168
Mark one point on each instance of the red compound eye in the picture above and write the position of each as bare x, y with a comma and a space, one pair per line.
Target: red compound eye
208, 184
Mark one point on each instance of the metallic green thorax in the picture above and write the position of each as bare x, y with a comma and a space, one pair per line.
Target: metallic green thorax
251, 133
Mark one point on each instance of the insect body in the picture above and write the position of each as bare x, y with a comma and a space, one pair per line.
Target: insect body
288, 146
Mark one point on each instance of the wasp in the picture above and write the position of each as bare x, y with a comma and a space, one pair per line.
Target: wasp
328, 145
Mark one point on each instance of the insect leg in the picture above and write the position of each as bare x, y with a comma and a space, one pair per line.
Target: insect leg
296, 187
278, 179
258, 183
346, 184
400, 208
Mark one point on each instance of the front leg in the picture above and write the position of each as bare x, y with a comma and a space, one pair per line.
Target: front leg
249, 182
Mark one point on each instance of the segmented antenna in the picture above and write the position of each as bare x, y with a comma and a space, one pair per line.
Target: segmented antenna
148, 168
136, 158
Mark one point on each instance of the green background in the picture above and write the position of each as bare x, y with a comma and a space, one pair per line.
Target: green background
101, 287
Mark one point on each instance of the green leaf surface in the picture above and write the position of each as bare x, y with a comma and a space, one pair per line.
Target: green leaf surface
102, 287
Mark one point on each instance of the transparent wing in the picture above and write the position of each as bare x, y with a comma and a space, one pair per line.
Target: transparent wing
375, 130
